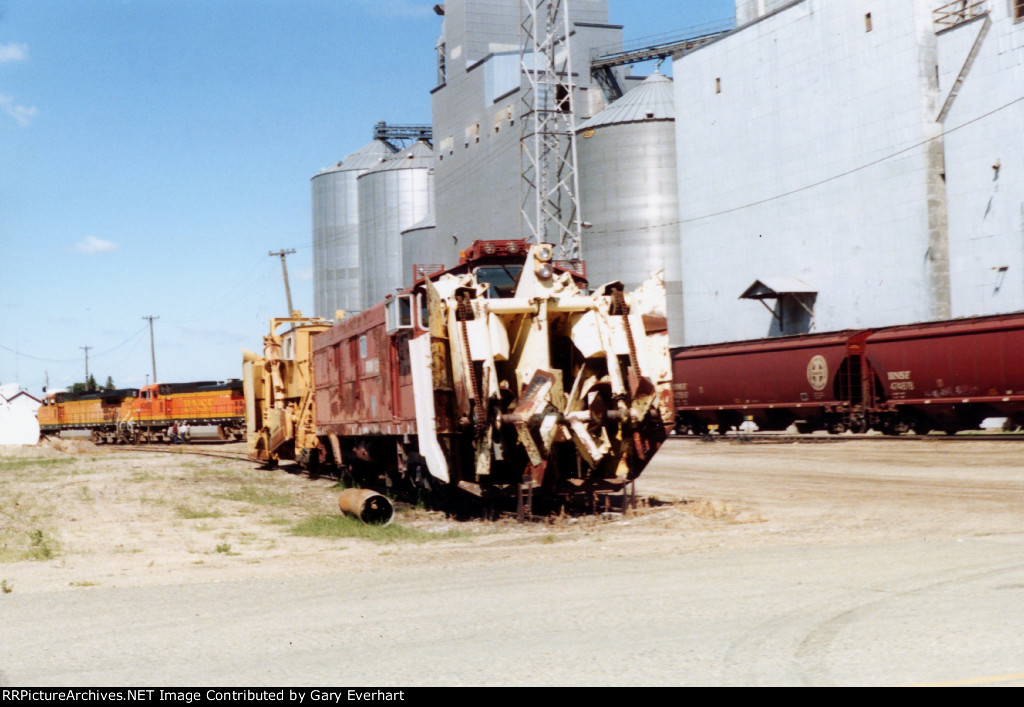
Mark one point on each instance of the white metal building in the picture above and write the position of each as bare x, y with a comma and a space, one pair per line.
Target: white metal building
869, 150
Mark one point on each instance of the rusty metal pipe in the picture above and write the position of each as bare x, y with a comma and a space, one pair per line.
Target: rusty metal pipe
368, 506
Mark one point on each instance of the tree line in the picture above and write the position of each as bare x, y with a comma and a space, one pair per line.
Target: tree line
90, 386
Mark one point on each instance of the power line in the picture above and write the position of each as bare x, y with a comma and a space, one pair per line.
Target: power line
826, 180
22, 354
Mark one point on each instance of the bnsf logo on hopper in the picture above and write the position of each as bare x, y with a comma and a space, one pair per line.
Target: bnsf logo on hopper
817, 372
900, 380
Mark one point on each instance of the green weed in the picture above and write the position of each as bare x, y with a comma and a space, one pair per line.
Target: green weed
190, 513
40, 546
339, 526
258, 496
24, 463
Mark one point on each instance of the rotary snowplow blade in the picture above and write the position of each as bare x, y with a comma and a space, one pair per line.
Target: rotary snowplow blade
556, 387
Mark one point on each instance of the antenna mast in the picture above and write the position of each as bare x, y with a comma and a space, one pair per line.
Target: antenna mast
550, 205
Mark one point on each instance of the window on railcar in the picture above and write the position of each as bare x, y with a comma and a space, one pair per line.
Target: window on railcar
424, 322
398, 314
501, 278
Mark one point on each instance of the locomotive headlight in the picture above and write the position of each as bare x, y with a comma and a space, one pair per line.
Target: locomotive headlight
543, 253
544, 271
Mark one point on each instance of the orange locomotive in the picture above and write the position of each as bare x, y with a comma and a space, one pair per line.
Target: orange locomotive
133, 415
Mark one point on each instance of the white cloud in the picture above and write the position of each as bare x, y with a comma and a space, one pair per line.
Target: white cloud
23, 114
14, 51
92, 244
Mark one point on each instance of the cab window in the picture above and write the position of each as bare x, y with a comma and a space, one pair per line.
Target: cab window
501, 278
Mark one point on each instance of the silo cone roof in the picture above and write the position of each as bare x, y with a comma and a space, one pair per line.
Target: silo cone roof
651, 100
428, 222
366, 157
418, 155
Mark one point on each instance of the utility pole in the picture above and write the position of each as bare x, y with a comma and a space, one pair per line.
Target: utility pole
86, 349
284, 269
152, 348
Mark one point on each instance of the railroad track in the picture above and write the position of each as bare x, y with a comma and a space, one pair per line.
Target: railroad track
786, 438
207, 448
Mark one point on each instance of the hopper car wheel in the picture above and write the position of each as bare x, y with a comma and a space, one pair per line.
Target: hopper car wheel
343, 472
921, 427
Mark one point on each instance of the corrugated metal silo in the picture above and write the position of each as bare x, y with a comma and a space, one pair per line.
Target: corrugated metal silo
336, 267
393, 196
423, 245
629, 193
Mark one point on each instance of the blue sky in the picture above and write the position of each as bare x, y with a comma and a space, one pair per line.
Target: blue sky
153, 152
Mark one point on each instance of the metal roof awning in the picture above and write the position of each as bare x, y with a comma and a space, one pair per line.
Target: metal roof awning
783, 289
776, 287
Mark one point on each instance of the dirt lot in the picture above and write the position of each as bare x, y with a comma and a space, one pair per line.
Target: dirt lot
73, 515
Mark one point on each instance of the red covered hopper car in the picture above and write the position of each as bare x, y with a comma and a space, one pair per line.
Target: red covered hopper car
947, 375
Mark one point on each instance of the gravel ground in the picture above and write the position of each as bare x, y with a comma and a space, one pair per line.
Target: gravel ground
878, 562
73, 515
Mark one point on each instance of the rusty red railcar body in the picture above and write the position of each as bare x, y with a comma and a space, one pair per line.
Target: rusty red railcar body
364, 383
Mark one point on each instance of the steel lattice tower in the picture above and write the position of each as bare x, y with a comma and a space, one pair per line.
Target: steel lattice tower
550, 206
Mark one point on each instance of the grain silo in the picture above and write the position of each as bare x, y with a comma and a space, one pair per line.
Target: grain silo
423, 245
629, 193
393, 196
336, 266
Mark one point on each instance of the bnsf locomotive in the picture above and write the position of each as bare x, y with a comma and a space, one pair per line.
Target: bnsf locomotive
139, 415
498, 378
947, 375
